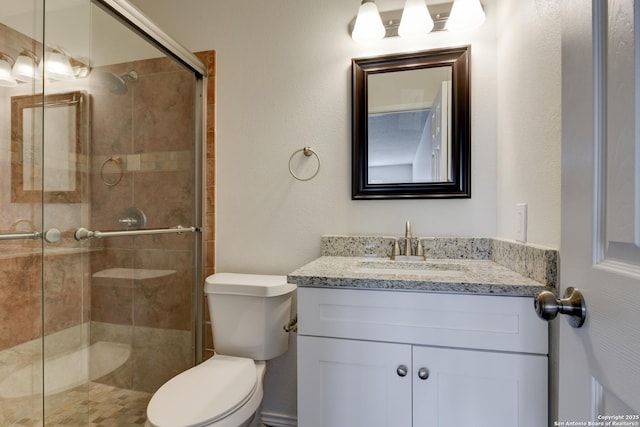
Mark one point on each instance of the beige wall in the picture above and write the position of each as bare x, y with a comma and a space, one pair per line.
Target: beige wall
283, 77
529, 119
283, 82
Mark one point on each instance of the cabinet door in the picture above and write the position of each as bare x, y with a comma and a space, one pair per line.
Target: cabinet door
348, 383
479, 388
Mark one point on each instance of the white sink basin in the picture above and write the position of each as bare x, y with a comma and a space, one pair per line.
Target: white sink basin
414, 269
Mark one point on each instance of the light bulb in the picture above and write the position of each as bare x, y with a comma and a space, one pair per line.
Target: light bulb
416, 19
6, 79
56, 66
465, 15
25, 68
368, 26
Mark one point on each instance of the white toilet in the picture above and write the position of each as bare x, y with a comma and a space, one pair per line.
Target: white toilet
248, 312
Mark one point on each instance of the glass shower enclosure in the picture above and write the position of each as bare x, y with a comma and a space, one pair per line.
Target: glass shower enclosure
100, 211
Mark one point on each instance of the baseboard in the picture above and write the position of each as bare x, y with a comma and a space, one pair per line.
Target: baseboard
271, 419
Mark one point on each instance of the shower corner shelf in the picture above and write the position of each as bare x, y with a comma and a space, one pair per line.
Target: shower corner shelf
132, 273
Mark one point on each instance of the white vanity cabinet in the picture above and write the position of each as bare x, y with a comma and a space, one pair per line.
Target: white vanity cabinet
397, 358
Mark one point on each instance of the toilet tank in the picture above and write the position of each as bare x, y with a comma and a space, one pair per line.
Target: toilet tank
248, 312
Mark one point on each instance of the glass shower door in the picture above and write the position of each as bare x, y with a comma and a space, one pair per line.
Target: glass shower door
99, 215
119, 286
21, 26
64, 177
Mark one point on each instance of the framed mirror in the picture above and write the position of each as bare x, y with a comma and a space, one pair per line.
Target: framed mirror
59, 178
411, 125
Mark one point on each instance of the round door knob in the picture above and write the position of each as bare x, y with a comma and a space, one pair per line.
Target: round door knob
423, 373
548, 307
402, 371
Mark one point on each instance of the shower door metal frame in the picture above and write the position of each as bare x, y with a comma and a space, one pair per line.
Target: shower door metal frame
132, 18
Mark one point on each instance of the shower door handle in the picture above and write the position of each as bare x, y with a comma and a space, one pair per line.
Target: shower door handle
84, 234
52, 235
21, 236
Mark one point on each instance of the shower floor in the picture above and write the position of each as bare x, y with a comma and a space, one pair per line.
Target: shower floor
95, 405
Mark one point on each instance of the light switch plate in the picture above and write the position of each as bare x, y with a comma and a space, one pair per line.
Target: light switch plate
521, 222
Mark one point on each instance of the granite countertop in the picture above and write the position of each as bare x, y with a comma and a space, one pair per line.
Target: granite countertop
432, 275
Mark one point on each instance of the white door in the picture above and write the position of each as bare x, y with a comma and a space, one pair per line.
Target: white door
599, 368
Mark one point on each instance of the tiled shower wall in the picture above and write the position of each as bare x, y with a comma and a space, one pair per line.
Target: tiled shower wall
21, 263
21, 294
163, 307
151, 135
209, 59
167, 311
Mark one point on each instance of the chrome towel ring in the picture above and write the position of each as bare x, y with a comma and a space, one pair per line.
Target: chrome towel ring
307, 151
117, 163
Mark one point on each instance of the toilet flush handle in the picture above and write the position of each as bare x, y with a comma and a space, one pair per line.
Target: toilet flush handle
292, 326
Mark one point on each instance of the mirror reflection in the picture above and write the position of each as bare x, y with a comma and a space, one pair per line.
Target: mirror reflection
411, 125
408, 120
63, 146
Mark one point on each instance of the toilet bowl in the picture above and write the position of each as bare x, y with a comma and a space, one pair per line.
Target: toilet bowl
248, 312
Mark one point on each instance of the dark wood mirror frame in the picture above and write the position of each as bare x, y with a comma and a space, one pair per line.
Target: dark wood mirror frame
18, 105
460, 185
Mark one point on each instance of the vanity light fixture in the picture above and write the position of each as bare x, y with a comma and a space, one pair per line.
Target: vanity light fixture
415, 20
465, 15
25, 68
56, 66
6, 79
368, 26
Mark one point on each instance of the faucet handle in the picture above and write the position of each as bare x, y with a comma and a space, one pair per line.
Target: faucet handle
419, 248
395, 249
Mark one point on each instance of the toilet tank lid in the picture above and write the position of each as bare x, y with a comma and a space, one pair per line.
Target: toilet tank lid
260, 285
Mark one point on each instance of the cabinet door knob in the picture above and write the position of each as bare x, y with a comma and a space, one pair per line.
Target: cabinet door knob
402, 371
423, 373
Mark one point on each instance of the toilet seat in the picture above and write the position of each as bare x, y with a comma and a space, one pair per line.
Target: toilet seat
204, 394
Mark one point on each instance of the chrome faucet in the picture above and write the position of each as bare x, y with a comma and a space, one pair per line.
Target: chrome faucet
408, 252
407, 239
